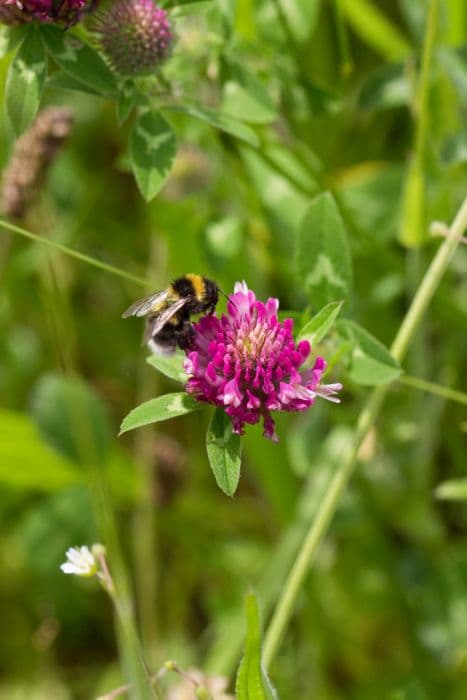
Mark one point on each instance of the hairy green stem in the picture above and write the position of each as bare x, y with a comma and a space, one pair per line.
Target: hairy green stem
330, 502
431, 388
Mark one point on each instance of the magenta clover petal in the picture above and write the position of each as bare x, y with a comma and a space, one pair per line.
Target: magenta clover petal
248, 363
65, 12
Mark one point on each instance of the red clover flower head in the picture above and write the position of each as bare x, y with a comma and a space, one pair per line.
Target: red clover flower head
65, 12
135, 36
248, 363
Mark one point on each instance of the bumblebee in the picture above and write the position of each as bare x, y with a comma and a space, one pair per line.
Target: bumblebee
169, 312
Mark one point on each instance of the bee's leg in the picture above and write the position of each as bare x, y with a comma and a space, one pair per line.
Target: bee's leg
186, 337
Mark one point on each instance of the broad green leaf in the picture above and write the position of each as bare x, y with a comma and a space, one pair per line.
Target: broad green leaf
371, 362
153, 148
159, 409
295, 166
300, 16
64, 81
245, 97
170, 365
282, 199
387, 86
452, 490
72, 418
224, 449
10, 38
323, 259
80, 60
315, 330
376, 29
25, 82
26, 461
252, 681
223, 122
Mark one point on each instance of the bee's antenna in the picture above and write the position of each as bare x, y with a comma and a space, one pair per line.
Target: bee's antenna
228, 298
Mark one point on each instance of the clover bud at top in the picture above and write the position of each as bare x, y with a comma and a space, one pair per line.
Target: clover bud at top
80, 562
134, 35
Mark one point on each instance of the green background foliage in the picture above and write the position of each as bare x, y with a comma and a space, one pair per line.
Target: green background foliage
300, 146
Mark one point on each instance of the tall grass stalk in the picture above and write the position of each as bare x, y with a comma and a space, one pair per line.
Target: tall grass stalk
368, 415
145, 524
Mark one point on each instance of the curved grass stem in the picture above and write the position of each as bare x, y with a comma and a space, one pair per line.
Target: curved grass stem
105, 267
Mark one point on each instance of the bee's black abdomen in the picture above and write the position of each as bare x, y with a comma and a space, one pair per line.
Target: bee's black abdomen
169, 323
177, 332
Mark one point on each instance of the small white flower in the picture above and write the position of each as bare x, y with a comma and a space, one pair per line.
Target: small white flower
81, 562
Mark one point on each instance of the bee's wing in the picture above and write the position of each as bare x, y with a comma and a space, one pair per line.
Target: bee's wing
157, 322
147, 305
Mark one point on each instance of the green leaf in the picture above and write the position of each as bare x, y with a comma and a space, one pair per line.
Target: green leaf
387, 86
26, 461
301, 17
412, 691
321, 101
25, 82
223, 240
252, 681
64, 81
224, 449
376, 29
323, 259
10, 37
315, 330
245, 97
153, 148
281, 197
159, 409
127, 99
170, 365
454, 62
72, 418
79, 60
223, 122
454, 149
371, 362
452, 490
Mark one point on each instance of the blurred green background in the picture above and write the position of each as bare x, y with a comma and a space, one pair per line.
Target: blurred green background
331, 88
